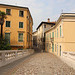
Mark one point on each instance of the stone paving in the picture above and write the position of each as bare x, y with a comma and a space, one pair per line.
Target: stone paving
43, 64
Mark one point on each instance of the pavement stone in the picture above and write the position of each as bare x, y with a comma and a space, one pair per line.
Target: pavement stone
44, 64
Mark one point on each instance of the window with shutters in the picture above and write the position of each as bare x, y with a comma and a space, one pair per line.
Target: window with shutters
20, 37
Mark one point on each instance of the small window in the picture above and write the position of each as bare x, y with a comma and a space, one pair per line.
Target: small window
7, 23
8, 11
20, 37
21, 13
20, 24
44, 26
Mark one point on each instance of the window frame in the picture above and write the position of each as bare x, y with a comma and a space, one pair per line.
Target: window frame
18, 38
19, 24
6, 23
22, 14
9, 13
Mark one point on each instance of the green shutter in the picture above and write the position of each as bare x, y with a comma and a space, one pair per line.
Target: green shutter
7, 37
20, 37
57, 32
60, 31
52, 47
52, 34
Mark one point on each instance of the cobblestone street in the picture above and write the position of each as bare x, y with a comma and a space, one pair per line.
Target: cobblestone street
44, 64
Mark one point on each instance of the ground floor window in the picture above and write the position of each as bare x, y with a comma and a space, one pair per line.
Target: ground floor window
7, 37
60, 50
20, 37
55, 47
52, 47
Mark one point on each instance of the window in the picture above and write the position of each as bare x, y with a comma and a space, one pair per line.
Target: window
52, 47
57, 32
60, 31
55, 47
60, 50
8, 11
7, 37
20, 37
52, 34
7, 23
21, 13
44, 26
20, 24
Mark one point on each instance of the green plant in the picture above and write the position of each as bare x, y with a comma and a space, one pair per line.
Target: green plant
4, 45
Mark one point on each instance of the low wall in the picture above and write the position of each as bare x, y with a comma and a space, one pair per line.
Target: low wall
8, 56
70, 55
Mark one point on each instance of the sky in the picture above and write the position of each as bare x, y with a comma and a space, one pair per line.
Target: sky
41, 10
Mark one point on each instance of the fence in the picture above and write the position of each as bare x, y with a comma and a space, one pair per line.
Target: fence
9, 56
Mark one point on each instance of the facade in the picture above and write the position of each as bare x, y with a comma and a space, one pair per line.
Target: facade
61, 38
44, 26
17, 28
35, 38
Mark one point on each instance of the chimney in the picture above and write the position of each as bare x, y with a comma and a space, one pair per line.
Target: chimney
48, 20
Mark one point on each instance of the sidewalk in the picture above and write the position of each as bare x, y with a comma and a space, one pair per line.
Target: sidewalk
70, 62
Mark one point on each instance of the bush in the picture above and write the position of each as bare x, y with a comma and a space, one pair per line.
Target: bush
4, 45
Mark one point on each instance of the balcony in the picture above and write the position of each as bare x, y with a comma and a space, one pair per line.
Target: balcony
52, 39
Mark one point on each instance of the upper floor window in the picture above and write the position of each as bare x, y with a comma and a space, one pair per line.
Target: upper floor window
44, 26
52, 34
7, 23
57, 32
8, 11
20, 24
20, 37
60, 31
21, 13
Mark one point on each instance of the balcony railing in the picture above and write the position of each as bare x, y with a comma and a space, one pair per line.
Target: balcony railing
52, 39
9, 56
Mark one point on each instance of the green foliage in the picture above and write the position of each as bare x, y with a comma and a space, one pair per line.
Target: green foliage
4, 45
2, 14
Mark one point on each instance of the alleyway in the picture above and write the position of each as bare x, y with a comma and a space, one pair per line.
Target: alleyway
43, 64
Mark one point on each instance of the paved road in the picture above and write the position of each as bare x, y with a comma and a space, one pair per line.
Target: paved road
42, 64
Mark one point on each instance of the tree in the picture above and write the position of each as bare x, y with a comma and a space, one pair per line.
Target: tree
4, 45
2, 17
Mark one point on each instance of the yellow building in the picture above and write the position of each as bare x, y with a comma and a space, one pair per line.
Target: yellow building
17, 28
61, 37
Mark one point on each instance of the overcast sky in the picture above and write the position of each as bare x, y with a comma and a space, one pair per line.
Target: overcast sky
41, 10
